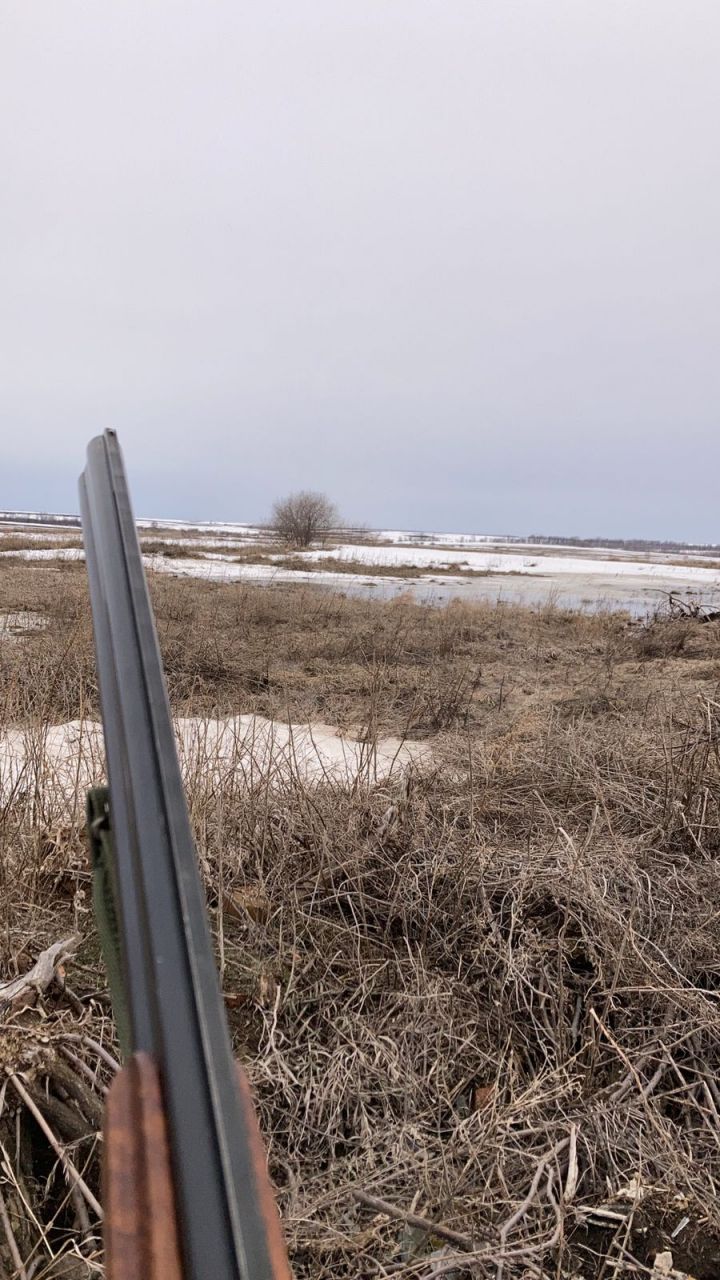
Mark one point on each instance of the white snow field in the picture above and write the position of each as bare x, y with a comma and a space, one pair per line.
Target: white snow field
512, 562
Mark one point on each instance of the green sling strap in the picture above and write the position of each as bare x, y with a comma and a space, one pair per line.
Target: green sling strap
102, 851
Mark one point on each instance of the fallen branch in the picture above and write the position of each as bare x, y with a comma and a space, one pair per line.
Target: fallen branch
21, 992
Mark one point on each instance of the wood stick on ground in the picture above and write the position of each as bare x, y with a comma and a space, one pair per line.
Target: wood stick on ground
84, 1069
62, 1155
572, 1174
96, 1047
25, 989
519, 1214
11, 1241
414, 1220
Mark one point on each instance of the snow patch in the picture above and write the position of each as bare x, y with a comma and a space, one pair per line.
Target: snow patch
47, 553
223, 568
65, 759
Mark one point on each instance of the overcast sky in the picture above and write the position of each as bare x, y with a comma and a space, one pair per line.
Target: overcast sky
456, 262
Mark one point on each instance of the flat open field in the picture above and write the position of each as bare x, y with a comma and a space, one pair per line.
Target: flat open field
435, 568
463, 873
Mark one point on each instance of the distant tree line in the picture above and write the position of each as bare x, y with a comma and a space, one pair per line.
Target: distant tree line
38, 517
623, 544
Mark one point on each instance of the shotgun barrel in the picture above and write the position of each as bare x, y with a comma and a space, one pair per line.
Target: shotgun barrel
179, 1092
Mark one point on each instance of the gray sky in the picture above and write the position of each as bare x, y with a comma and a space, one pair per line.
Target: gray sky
457, 262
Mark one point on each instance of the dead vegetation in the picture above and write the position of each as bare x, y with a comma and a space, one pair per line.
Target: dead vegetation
378, 569
478, 1003
18, 542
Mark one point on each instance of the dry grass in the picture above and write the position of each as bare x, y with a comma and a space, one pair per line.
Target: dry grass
484, 996
11, 542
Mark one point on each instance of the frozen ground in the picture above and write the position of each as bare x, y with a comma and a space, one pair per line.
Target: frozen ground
566, 581
223, 540
223, 568
34, 535
46, 553
208, 529
400, 537
636, 586
512, 562
449, 566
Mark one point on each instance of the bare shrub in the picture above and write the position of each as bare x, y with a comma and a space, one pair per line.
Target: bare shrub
303, 517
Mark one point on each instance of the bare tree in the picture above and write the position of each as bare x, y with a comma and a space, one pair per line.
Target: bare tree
303, 517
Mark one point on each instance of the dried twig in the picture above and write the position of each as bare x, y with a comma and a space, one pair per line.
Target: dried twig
11, 1241
414, 1219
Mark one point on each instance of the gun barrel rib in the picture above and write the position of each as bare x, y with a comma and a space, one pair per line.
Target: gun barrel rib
175, 1006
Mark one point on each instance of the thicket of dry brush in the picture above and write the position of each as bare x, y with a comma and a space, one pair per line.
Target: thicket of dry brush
479, 1004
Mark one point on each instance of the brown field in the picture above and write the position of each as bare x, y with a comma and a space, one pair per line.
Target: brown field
13, 542
477, 1001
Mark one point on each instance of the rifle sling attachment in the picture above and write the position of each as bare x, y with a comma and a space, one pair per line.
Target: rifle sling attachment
102, 851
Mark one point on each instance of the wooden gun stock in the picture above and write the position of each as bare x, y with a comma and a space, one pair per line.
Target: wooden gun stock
142, 1241
140, 1227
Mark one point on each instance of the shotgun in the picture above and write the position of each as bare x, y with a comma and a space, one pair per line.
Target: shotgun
185, 1187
